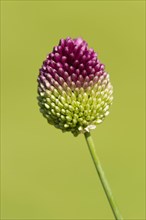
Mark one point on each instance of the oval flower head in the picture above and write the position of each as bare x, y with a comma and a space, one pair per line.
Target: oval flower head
74, 90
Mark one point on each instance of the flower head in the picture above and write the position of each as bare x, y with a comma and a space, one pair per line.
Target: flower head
74, 90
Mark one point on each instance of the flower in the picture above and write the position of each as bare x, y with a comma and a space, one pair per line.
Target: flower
74, 91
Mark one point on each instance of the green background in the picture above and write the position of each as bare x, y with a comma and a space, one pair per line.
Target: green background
50, 175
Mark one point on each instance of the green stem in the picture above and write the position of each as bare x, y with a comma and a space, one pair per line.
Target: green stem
102, 177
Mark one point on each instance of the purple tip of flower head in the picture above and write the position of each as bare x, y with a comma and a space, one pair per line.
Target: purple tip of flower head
71, 62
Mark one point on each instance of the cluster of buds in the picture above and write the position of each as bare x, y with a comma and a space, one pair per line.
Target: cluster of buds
74, 91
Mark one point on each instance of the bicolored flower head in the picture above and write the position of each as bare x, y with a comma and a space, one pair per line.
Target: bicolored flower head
74, 91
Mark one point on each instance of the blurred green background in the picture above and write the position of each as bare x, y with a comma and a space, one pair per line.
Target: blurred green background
50, 175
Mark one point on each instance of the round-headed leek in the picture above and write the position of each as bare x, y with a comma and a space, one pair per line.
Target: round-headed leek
75, 94
74, 90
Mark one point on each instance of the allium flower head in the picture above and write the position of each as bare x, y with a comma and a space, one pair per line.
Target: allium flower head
74, 90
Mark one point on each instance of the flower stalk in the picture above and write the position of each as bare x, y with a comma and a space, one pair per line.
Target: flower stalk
102, 177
